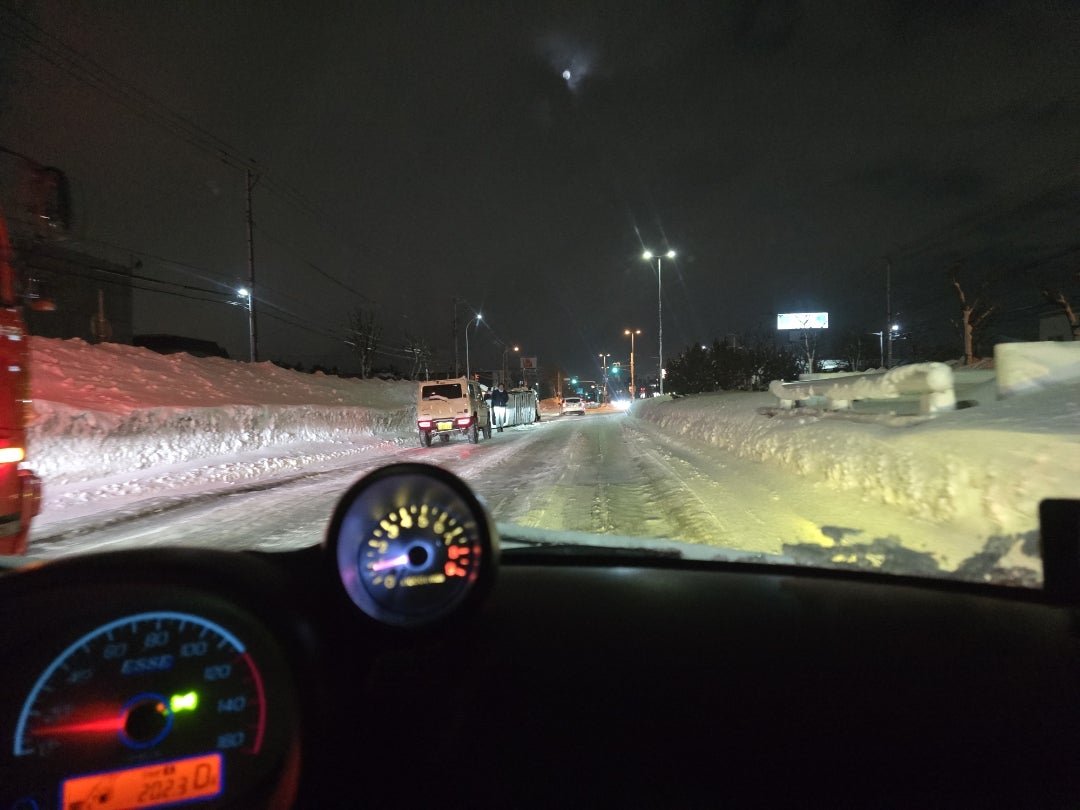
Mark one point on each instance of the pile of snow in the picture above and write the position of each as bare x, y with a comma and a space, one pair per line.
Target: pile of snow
110, 408
1026, 367
985, 467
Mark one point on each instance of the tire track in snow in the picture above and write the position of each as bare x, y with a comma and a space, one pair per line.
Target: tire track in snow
681, 512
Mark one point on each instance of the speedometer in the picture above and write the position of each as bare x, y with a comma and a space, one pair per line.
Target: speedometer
148, 710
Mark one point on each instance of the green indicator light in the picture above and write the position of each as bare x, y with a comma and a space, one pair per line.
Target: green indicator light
181, 703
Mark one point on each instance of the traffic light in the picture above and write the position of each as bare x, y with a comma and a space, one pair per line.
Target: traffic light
573, 380
614, 370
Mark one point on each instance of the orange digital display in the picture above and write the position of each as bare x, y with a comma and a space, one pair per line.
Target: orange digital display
179, 780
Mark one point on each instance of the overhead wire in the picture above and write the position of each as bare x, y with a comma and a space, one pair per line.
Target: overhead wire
295, 253
52, 49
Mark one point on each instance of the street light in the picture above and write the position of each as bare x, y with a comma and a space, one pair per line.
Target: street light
631, 333
245, 295
506, 370
881, 345
468, 367
603, 365
649, 256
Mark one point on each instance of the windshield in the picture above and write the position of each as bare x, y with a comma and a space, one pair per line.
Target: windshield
812, 271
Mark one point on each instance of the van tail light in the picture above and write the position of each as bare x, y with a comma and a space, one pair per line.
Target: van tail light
423, 424
463, 421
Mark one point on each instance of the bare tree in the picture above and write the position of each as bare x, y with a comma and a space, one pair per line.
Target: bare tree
363, 335
854, 345
809, 340
973, 313
1064, 303
419, 356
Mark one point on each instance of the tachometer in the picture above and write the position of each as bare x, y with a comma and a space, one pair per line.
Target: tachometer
144, 711
412, 544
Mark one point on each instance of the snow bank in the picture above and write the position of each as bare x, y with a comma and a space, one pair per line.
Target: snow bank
111, 408
986, 468
1025, 367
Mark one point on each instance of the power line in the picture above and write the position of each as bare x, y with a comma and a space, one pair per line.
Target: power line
310, 263
50, 48
191, 269
132, 285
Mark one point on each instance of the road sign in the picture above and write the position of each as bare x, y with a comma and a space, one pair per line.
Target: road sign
528, 363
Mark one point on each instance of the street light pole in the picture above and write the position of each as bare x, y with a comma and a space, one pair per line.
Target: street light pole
631, 333
505, 368
603, 365
468, 366
648, 256
253, 348
245, 294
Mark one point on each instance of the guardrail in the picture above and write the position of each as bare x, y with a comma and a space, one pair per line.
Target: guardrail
932, 382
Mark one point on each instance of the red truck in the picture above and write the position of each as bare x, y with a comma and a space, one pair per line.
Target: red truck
20, 489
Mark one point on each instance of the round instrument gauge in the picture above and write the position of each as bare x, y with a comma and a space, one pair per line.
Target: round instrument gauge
412, 544
148, 710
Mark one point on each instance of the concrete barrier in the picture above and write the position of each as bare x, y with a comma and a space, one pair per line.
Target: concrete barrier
931, 382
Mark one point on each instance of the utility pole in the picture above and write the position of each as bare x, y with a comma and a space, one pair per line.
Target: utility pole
888, 309
252, 334
453, 327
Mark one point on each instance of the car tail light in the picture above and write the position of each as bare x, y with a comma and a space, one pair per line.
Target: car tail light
463, 422
423, 424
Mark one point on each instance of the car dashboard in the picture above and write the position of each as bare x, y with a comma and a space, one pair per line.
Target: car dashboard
482, 678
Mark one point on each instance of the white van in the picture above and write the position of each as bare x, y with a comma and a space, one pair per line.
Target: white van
447, 407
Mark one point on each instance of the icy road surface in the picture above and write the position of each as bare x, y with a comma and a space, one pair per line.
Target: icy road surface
601, 474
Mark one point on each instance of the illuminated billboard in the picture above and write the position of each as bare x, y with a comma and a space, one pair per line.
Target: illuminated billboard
803, 320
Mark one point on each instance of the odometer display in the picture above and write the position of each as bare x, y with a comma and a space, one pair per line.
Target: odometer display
159, 687
162, 783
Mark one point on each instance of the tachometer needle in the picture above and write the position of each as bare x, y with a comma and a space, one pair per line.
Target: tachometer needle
400, 560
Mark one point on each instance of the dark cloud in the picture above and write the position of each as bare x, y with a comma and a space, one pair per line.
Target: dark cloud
910, 178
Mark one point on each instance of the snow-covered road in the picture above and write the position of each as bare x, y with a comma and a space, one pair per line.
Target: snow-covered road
601, 474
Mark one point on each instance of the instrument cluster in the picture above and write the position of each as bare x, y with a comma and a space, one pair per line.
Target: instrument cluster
153, 679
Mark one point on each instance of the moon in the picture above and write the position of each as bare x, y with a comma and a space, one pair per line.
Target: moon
567, 75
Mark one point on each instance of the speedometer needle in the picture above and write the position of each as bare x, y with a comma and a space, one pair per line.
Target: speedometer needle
391, 563
90, 726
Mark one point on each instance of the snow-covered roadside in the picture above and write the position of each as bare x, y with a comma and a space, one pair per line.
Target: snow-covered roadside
70, 444
118, 425
983, 468
111, 409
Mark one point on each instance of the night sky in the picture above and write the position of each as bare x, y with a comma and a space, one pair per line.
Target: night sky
413, 152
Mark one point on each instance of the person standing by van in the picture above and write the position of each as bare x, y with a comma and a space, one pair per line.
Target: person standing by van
499, 401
